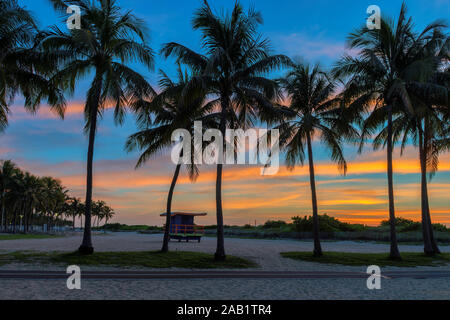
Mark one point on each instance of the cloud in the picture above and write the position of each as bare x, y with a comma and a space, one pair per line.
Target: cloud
18, 112
138, 196
300, 44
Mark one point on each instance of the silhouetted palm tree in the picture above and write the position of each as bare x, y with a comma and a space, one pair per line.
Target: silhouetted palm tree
377, 83
75, 208
233, 72
172, 109
313, 112
106, 42
23, 69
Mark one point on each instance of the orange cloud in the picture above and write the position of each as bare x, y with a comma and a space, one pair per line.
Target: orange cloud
140, 195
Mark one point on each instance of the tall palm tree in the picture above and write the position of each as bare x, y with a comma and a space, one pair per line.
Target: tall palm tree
106, 42
233, 72
8, 170
172, 109
73, 209
313, 112
377, 83
428, 125
23, 69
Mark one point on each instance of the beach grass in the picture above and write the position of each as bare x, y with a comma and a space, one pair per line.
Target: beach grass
409, 259
152, 259
18, 236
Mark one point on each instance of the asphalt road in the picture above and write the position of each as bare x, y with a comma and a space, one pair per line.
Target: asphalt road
146, 275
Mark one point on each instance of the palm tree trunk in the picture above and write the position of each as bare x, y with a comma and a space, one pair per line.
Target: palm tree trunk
32, 218
86, 246
220, 249
3, 211
312, 180
394, 252
14, 221
426, 224
428, 249
25, 220
94, 101
165, 247
434, 244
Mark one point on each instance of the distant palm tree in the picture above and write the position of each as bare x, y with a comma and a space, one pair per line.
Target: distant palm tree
32, 187
107, 41
8, 171
16, 198
55, 195
172, 109
23, 69
74, 209
377, 82
107, 213
233, 72
313, 112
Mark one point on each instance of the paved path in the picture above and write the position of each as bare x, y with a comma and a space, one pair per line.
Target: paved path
146, 275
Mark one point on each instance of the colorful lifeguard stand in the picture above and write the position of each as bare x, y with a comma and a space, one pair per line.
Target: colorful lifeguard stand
182, 226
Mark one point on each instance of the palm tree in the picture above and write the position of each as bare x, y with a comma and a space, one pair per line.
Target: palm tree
73, 209
105, 212
108, 213
16, 198
428, 125
8, 170
172, 109
55, 195
377, 83
27, 199
107, 41
312, 112
233, 73
23, 69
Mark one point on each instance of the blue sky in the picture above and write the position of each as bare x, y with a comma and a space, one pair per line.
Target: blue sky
313, 30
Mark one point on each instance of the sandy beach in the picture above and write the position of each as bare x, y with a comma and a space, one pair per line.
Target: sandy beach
264, 252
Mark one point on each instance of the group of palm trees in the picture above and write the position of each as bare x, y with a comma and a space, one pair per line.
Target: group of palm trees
394, 90
28, 201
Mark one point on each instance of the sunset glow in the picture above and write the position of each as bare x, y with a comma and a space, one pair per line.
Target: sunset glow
46, 145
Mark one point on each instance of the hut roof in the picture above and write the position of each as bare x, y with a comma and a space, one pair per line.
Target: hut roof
184, 214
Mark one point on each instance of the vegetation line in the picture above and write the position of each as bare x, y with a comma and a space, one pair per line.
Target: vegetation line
409, 259
153, 259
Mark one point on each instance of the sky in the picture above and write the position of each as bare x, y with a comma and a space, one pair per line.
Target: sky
313, 30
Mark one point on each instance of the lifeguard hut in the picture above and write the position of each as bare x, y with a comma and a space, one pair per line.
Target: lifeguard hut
182, 226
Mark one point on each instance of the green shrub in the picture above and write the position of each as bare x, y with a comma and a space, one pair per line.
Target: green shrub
124, 227
326, 224
440, 227
274, 224
407, 225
